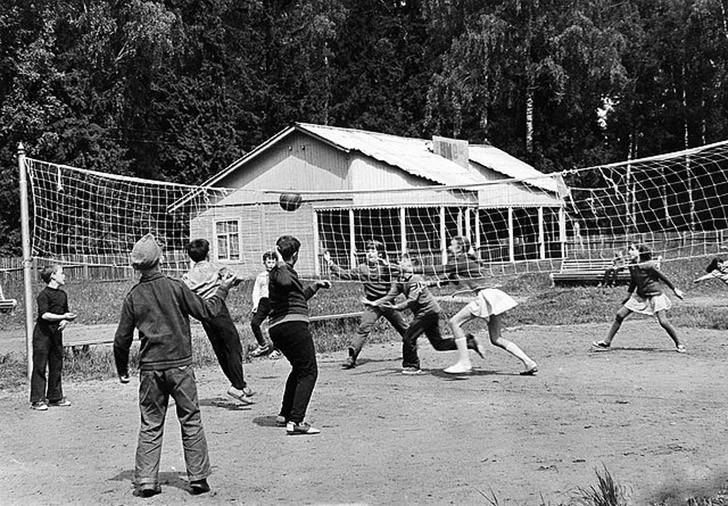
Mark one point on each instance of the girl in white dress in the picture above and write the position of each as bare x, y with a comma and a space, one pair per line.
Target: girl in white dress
489, 304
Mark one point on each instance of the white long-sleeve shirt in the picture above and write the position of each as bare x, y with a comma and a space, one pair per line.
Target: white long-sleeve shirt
260, 288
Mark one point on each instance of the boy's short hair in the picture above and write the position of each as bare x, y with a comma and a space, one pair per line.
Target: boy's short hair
269, 255
645, 253
198, 249
46, 273
713, 265
288, 246
377, 245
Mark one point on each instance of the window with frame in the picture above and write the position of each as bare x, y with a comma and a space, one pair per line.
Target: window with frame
228, 240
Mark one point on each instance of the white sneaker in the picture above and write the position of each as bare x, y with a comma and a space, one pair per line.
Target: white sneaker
300, 429
459, 368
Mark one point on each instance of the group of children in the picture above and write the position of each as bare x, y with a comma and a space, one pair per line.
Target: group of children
159, 307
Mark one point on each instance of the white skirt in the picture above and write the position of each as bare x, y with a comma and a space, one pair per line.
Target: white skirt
491, 301
648, 305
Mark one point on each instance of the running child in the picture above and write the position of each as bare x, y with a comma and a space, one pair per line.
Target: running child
716, 269
291, 335
376, 275
261, 308
426, 315
53, 316
646, 296
160, 307
204, 278
490, 304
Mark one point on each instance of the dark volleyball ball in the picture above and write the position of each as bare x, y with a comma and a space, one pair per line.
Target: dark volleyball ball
290, 201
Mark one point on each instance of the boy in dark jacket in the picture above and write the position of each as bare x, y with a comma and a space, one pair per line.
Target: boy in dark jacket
290, 334
160, 307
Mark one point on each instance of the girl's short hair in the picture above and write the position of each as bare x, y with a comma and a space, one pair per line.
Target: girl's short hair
269, 255
713, 265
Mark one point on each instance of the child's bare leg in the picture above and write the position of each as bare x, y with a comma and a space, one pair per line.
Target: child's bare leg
456, 325
662, 319
618, 319
494, 329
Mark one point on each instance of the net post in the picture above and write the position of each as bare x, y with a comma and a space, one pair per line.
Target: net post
27, 259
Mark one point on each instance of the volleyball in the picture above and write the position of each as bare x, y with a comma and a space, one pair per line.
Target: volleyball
290, 201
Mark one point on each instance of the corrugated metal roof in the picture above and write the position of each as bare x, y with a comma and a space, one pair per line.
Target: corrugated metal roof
409, 154
500, 161
412, 155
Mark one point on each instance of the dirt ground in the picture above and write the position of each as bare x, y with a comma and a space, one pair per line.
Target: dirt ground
655, 418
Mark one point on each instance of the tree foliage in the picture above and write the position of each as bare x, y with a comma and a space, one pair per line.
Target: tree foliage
178, 89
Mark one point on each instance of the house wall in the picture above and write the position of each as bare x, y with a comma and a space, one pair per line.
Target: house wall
367, 173
259, 227
298, 163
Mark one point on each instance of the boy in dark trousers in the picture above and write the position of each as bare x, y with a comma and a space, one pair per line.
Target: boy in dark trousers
204, 279
290, 334
53, 315
160, 307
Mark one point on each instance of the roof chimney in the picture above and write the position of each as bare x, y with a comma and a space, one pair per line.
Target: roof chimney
452, 149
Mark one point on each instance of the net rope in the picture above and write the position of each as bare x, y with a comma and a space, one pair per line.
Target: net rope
675, 203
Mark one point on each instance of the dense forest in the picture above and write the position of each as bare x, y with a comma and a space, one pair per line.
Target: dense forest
178, 89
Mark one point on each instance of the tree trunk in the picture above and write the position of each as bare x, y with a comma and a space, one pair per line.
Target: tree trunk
529, 114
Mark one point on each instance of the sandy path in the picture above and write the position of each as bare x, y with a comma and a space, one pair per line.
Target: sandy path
655, 418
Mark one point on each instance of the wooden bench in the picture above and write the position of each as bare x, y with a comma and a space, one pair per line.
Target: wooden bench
6, 305
586, 271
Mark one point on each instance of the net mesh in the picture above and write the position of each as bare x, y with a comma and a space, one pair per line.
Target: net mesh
674, 203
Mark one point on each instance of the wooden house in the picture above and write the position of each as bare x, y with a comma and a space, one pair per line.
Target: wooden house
413, 194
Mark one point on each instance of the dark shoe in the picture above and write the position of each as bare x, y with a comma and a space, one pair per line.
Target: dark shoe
531, 371
474, 344
349, 363
300, 429
198, 487
241, 395
63, 403
148, 490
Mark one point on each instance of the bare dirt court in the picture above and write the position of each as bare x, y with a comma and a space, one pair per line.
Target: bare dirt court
655, 418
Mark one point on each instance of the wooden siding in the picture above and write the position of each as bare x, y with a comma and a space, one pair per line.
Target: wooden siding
298, 163
260, 225
367, 173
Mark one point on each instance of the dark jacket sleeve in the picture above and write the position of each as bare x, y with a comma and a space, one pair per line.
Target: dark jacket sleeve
123, 337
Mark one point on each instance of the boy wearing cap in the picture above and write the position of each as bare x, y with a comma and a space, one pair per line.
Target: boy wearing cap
160, 307
203, 279
376, 275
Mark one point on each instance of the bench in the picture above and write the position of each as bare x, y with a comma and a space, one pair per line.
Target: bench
586, 271
6, 305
